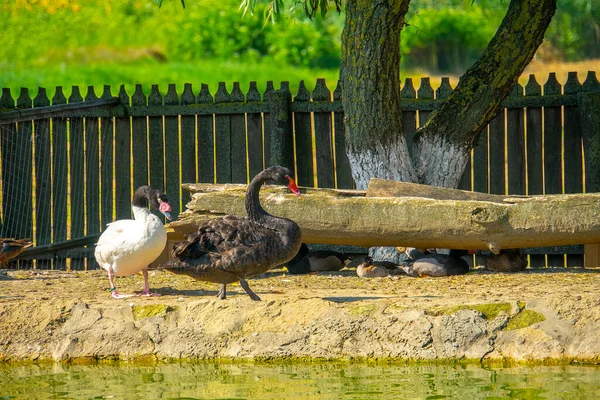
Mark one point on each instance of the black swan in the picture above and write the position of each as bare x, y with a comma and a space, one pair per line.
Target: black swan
233, 248
430, 264
307, 261
378, 269
11, 248
128, 246
509, 260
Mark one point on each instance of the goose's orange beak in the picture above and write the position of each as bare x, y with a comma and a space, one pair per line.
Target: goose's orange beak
292, 186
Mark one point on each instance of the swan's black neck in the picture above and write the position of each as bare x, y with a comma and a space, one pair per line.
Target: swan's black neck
253, 207
288, 228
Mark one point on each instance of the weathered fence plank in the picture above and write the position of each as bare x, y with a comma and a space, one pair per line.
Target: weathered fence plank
303, 137
425, 92
323, 144
205, 140
156, 152
267, 132
343, 172
76, 172
172, 185
497, 153
188, 143
59, 176
254, 122
535, 164
123, 165
223, 138
572, 140
106, 166
534, 141
8, 134
515, 138
239, 172
589, 104
43, 183
92, 170
139, 142
552, 140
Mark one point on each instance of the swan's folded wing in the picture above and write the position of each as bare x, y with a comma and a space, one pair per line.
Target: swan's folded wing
112, 239
231, 241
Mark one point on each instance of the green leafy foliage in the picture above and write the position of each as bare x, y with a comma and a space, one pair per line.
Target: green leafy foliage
44, 40
447, 39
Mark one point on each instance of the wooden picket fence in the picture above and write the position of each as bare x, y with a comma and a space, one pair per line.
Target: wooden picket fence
76, 161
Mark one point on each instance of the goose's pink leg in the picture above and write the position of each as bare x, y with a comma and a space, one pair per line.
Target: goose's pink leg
146, 291
113, 288
223, 292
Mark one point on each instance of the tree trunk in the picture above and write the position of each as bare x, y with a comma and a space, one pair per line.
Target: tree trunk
454, 128
370, 74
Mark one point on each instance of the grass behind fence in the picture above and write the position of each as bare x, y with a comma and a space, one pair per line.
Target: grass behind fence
147, 73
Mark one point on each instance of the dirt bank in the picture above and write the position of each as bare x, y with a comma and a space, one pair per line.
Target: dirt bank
531, 316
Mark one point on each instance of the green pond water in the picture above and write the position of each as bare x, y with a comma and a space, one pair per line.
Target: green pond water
297, 381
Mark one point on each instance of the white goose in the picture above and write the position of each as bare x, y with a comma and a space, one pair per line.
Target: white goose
128, 246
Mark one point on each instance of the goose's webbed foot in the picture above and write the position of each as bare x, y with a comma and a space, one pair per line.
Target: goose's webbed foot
245, 286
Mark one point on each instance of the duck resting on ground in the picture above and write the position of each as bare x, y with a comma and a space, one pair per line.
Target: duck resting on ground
233, 248
423, 263
128, 246
508, 260
307, 261
378, 269
11, 248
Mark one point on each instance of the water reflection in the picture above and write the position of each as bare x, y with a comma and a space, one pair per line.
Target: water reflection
297, 381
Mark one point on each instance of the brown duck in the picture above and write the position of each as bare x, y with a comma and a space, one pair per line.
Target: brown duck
509, 260
233, 248
12, 248
423, 263
378, 269
306, 261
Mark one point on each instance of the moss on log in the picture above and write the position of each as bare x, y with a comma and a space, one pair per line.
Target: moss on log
349, 217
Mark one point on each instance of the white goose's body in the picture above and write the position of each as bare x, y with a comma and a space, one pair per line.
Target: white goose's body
128, 246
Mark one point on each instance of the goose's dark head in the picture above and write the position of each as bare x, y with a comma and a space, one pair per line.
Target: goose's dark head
281, 176
145, 195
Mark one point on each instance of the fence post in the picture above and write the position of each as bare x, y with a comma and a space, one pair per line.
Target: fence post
282, 139
589, 112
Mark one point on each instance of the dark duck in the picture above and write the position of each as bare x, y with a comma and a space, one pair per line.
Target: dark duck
378, 269
423, 263
233, 248
509, 260
307, 261
12, 248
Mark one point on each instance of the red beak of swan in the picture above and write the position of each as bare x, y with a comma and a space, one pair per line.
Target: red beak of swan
292, 186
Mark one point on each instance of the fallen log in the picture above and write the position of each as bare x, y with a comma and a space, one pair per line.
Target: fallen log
431, 219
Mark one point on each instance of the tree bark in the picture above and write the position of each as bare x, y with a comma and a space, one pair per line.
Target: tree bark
370, 74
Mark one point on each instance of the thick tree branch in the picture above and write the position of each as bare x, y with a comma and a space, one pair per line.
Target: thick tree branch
454, 128
478, 96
